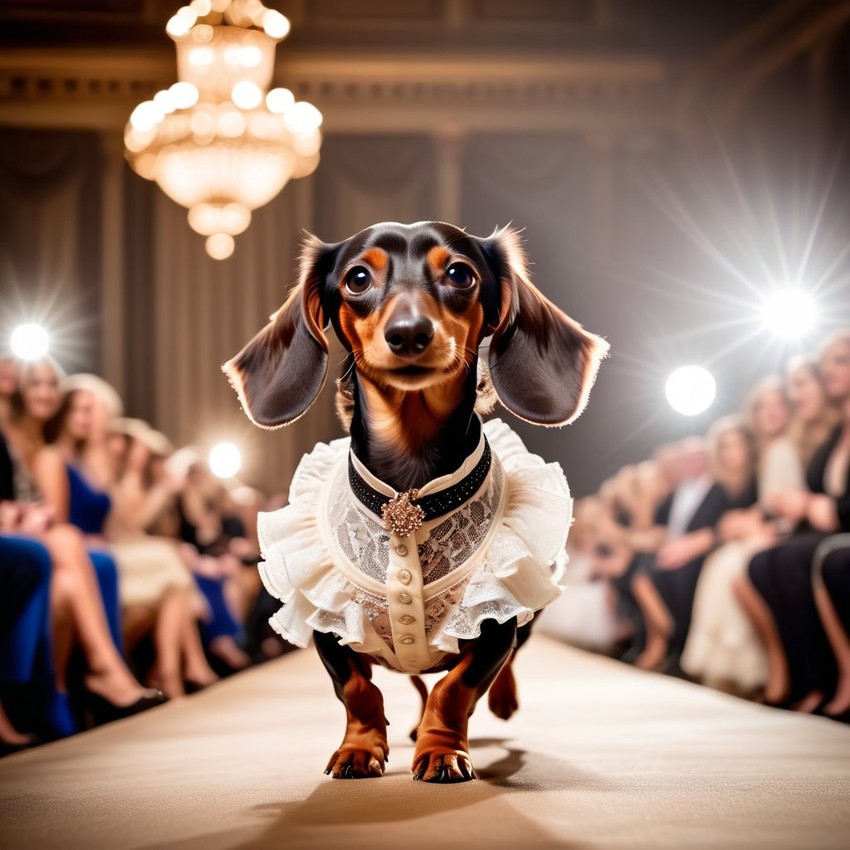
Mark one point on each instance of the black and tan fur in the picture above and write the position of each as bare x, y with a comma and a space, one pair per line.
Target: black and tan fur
412, 304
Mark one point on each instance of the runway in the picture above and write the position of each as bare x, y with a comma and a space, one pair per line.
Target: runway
599, 756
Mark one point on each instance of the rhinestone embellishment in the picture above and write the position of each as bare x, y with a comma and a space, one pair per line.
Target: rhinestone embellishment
434, 505
401, 515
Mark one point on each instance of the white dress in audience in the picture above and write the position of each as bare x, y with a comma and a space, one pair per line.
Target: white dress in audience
583, 615
723, 648
148, 566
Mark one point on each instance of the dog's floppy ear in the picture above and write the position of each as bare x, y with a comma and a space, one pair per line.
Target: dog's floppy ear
542, 363
281, 371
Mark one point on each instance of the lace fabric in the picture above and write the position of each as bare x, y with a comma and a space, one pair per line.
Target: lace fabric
500, 555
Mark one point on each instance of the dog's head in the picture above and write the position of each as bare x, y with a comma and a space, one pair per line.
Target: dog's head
412, 303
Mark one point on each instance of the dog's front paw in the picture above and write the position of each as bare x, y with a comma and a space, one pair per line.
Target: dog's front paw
454, 766
357, 763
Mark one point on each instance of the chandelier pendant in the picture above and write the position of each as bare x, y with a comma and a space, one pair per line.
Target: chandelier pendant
218, 141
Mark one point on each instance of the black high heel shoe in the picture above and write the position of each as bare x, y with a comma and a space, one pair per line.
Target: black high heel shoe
103, 711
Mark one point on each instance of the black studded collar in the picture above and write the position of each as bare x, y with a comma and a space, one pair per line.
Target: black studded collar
434, 505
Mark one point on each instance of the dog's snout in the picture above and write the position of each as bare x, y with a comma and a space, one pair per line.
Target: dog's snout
409, 335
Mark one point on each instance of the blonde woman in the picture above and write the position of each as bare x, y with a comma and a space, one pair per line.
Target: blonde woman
664, 587
723, 648
777, 591
156, 590
814, 416
78, 615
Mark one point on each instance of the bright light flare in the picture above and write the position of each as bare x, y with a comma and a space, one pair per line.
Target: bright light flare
225, 460
791, 313
690, 390
30, 342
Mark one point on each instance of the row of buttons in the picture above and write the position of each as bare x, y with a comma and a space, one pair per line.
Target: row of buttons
405, 596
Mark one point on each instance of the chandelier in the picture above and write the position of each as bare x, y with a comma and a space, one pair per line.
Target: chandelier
218, 141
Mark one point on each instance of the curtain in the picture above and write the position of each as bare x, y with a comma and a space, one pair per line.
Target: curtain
49, 229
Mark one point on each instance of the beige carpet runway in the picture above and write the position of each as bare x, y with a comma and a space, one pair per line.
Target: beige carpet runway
600, 756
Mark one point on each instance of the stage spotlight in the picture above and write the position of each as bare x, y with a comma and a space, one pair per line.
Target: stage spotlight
30, 342
225, 460
690, 390
790, 313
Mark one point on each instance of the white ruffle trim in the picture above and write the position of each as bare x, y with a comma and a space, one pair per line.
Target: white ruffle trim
521, 573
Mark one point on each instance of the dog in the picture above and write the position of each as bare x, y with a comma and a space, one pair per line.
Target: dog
427, 540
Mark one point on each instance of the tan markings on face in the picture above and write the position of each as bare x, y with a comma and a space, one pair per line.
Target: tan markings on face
410, 417
349, 322
438, 259
407, 420
465, 329
406, 412
376, 258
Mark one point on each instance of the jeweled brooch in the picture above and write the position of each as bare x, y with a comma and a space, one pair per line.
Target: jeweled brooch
401, 515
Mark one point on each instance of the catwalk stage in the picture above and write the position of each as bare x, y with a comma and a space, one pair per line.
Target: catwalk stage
600, 755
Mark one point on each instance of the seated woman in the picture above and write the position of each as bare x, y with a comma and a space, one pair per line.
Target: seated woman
777, 592
25, 571
625, 551
78, 617
723, 649
24, 614
831, 577
207, 522
587, 615
665, 584
156, 589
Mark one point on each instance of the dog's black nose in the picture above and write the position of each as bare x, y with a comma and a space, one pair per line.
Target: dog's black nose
409, 335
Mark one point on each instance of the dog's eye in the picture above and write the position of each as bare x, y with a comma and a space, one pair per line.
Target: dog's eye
358, 280
460, 275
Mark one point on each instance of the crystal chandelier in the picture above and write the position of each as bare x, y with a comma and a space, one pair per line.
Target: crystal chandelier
218, 141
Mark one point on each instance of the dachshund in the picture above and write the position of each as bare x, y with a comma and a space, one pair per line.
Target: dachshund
412, 304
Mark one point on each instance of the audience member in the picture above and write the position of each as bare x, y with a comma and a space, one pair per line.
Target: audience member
156, 588
78, 610
738, 557
718, 553
779, 594
720, 480
722, 647
831, 567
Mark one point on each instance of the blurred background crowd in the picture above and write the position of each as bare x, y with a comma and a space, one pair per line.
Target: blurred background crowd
127, 569
725, 559
680, 173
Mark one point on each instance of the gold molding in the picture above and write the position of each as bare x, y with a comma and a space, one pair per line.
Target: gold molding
97, 89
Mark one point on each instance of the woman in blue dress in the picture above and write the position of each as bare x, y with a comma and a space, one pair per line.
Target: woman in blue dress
157, 592
78, 615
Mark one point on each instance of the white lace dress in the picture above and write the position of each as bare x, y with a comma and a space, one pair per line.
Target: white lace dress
407, 601
723, 648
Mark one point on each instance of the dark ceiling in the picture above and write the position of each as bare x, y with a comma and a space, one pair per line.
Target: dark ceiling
673, 28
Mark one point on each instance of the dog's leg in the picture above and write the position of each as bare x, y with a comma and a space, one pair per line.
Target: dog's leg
442, 746
364, 748
502, 697
422, 690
